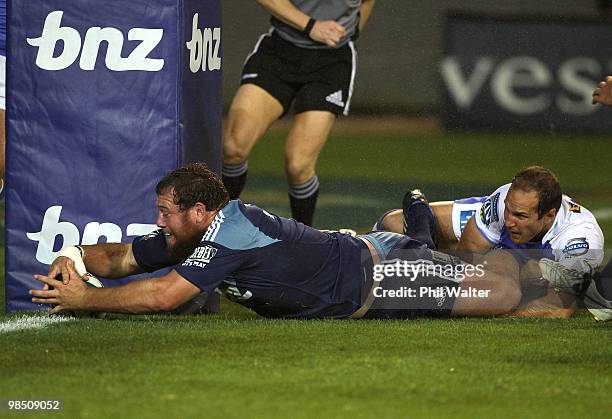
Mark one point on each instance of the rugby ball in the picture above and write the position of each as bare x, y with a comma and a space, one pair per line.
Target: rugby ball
92, 281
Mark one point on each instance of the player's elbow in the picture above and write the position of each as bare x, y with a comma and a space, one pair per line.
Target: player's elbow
164, 300
169, 295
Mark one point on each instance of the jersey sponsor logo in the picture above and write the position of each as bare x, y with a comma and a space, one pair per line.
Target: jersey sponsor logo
52, 227
574, 207
335, 98
576, 247
204, 48
488, 211
70, 39
201, 256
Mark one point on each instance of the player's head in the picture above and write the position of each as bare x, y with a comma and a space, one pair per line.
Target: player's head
194, 183
531, 204
187, 201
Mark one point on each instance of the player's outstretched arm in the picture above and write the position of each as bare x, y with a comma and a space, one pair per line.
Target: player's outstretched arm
144, 296
603, 93
108, 260
327, 32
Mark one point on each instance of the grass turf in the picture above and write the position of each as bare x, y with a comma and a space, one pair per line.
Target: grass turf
235, 364
231, 365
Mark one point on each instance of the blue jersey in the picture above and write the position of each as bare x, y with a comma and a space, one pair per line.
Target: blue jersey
275, 266
3, 27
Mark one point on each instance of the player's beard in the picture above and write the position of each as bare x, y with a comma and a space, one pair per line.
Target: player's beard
183, 247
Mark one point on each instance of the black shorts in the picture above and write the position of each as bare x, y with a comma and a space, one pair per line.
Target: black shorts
411, 281
315, 79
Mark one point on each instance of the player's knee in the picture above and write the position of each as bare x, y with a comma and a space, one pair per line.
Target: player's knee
392, 221
234, 155
162, 303
299, 170
234, 149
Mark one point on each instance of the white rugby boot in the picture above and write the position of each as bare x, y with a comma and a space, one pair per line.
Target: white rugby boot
562, 278
597, 304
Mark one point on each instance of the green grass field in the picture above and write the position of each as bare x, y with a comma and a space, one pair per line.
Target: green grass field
237, 365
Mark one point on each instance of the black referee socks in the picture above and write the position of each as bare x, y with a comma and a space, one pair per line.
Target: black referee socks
303, 200
234, 177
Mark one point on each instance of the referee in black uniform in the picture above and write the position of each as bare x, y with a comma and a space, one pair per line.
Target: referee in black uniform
308, 59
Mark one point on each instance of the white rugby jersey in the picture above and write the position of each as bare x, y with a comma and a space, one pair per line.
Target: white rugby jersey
575, 239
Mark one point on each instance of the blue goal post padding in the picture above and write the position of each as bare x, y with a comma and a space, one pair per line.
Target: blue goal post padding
103, 99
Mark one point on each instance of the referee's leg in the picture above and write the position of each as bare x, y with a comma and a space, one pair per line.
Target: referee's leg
251, 113
305, 141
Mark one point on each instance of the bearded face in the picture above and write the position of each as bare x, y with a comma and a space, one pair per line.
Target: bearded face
179, 227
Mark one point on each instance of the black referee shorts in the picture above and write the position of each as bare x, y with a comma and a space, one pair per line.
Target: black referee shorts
314, 79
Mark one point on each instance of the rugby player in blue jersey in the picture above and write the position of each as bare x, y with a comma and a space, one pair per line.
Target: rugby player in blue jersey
275, 266
529, 216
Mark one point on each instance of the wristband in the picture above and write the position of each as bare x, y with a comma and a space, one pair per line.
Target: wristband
309, 26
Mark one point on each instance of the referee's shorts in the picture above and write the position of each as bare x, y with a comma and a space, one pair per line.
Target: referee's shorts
313, 79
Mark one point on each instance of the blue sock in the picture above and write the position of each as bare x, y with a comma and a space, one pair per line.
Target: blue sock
419, 223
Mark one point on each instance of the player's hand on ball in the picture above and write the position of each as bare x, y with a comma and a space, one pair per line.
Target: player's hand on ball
59, 269
65, 296
327, 32
69, 256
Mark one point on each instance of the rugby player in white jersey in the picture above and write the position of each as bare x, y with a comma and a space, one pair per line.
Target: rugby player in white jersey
529, 215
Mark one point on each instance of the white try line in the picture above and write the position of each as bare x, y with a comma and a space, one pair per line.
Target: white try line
31, 321
603, 214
